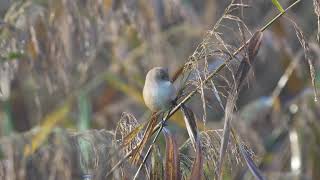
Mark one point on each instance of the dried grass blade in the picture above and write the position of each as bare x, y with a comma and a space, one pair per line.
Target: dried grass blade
49, 123
253, 48
177, 74
307, 53
172, 162
156, 165
226, 131
132, 135
148, 133
250, 163
241, 74
254, 45
216, 94
316, 6
197, 167
191, 124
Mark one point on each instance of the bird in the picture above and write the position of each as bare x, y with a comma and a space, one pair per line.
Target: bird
158, 92
159, 95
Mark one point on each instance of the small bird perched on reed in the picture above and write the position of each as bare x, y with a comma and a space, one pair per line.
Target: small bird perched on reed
158, 91
158, 94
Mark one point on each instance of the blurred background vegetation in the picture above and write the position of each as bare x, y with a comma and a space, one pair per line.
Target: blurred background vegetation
72, 72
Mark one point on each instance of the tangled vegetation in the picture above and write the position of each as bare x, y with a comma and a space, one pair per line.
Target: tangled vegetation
72, 72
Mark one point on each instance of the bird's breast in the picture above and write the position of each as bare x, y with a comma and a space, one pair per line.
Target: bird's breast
158, 96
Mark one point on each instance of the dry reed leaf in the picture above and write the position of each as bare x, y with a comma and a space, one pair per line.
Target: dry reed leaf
107, 5
191, 124
156, 164
254, 45
307, 55
172, 162
253, 48
197, 167
32, 49
316, 6
132, 135
147, 134
49, 123
128, 131
177, 74
250, 163
216, 94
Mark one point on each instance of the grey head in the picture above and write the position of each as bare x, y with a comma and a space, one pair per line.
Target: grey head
158, 74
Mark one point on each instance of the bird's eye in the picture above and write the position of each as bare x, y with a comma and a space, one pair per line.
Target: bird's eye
164, 75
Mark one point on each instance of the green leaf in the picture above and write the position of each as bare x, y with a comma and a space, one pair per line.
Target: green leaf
278, 5
6, 125
85, 148
11, 56
14, 55
84, 106
84, 111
